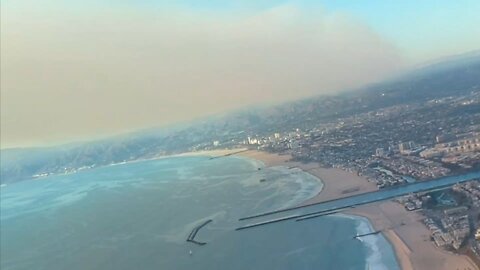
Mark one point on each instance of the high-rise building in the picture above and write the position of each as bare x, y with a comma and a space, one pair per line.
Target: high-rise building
406, 146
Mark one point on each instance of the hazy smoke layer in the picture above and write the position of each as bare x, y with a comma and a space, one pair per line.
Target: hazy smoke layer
72, 72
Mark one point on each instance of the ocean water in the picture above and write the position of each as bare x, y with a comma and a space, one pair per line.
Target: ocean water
138, 216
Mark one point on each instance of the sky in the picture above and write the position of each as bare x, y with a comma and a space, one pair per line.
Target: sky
79, 70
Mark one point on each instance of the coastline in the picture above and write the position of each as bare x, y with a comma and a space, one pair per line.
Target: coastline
410, 238
405, 231
332, 179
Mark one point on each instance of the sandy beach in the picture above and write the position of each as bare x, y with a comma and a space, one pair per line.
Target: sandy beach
212, 153
405, 230
337, 183
410, 237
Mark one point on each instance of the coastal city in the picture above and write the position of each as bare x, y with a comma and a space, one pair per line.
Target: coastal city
391, 145
395, 146
216, 135
451, 216
378, 142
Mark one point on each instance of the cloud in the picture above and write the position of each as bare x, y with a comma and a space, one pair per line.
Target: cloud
75, 72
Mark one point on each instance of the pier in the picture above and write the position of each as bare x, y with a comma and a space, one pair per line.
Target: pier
193, 233
366, 234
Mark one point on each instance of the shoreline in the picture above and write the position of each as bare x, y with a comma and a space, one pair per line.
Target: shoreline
331, 178
405, 231
410, 238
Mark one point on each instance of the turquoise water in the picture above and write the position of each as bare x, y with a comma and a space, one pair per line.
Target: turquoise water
138, 216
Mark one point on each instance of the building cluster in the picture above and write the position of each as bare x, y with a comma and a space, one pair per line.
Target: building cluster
452, 216
395, 139
414, 202
453, 231
415, 167
382, 177
450, 228
471, 190
462, 152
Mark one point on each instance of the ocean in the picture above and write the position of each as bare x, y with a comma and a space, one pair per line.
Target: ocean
138, 216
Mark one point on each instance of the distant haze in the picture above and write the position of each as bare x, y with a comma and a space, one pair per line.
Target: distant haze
73, 73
